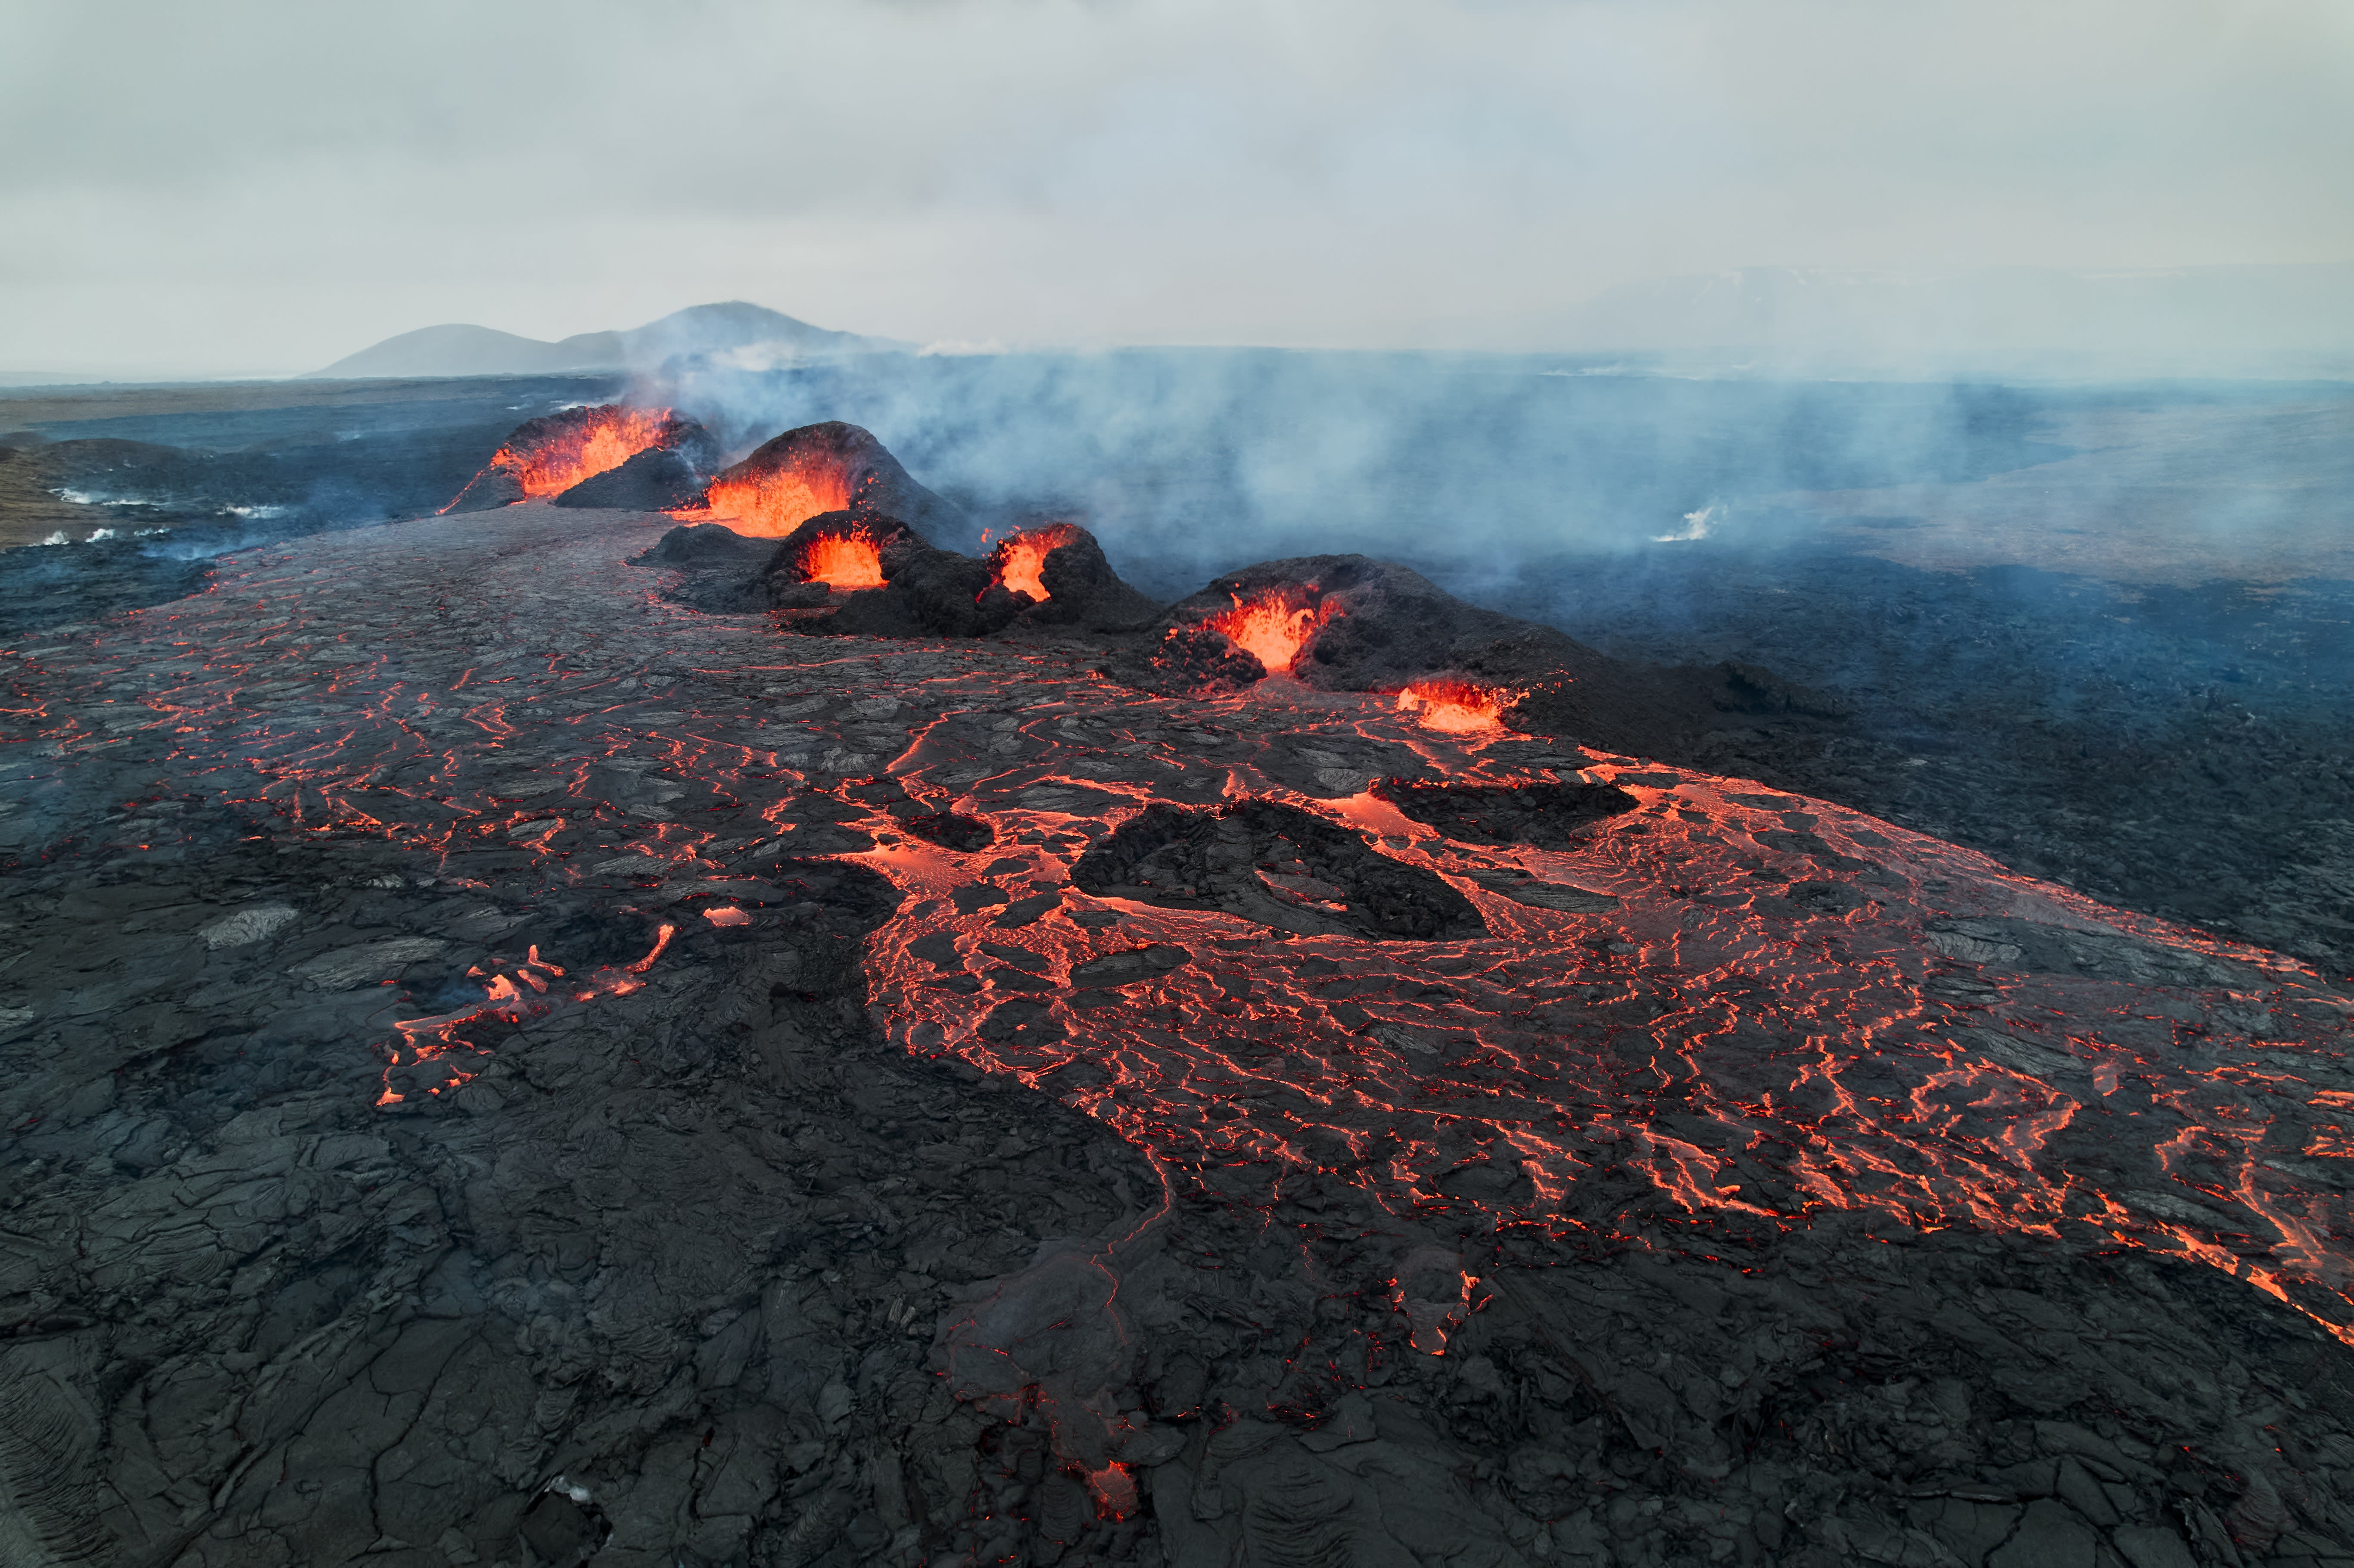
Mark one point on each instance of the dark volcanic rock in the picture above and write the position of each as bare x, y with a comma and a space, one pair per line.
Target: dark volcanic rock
720, 567
149, 482
952, 830
1275, 865
704, 547
1187, 659
565, 1178
2028, 945
1548, 816
833, 466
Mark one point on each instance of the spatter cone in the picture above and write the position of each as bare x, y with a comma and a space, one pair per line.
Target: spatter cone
562, 457
1349, 623
830, 467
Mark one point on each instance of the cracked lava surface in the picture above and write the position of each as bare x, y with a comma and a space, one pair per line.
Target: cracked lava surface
1426, 1053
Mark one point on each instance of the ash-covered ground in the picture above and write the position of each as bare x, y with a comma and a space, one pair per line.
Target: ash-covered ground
503, 1067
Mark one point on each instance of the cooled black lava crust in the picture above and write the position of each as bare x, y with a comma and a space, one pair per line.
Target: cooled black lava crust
1276, 864
1548, 816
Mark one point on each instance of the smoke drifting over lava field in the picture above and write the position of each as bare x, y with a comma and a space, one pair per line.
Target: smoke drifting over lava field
667, 1009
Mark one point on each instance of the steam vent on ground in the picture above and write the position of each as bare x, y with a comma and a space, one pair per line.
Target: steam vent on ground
673, 1013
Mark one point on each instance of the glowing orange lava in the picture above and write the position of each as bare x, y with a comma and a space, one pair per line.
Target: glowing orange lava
772, 504
583, 450
844, 561
1270, 628
1455, 708
1023, 557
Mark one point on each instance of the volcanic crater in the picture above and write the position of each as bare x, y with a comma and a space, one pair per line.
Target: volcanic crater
505, 1064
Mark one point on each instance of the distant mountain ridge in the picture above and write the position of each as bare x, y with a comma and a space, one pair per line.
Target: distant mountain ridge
734, 328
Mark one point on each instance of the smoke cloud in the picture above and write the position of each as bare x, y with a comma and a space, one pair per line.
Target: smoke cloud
265, 187
1187, 462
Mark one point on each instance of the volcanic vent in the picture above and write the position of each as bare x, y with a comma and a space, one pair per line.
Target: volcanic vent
831, 467
899, 586
608, 455
1349, 623
1057, 576
861, 568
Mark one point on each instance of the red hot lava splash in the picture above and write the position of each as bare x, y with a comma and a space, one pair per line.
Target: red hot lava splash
1273, 626
850, 559
1456, 707
772, 504
1021, 558
611, 437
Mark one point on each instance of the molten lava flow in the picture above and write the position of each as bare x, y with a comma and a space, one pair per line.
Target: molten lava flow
1799, 1025
1701, 1020
772, 504
1270, 628
844, 561
583, 450
1455, 708
1021, 557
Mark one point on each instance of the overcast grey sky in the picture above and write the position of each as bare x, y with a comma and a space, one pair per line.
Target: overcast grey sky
232, 187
